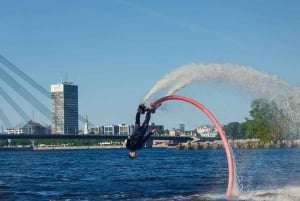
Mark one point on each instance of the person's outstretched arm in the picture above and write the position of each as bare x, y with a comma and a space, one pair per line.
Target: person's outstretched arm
147, 136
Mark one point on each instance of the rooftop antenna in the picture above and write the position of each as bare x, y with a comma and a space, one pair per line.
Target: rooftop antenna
66, 77
61, 77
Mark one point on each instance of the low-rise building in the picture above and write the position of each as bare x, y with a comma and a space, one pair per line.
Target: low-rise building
207, 133
15, 131
30, 127
111, 130
124, 129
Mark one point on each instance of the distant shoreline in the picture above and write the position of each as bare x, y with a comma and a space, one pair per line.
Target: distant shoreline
62, 147
217, 144
239, 144
38, 148
77, 147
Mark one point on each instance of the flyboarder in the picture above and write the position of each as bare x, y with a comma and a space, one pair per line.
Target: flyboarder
138, 137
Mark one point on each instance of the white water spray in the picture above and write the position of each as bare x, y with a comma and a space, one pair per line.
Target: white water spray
263, 84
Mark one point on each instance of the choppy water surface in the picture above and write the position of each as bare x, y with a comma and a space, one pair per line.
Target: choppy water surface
156, 174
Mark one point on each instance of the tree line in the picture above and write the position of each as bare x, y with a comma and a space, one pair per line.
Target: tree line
267, 122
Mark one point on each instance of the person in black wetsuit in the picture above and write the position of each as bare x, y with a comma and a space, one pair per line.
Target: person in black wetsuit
138, 137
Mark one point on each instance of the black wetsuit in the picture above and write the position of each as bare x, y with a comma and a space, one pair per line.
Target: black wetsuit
138, 138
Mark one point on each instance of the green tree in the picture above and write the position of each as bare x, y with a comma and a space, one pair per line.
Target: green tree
233, 130
251, 129
268, 122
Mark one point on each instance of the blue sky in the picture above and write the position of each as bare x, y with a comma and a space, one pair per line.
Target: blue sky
115, 51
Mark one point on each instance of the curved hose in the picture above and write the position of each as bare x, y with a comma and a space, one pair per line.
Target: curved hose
219, 129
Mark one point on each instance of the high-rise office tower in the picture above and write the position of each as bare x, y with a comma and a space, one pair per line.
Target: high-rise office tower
64, 108
182, 127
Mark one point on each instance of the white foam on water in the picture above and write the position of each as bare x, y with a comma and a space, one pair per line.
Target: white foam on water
291, 193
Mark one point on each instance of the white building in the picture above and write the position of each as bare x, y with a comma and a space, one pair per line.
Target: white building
124, 129
207, 131
14, 131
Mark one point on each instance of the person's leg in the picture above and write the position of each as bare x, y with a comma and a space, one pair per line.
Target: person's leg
146, 123
137, 123
138, 118
147, 119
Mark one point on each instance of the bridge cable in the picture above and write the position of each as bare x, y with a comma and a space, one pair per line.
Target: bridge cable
14, 105
29, 80
4, 119
25, 77
24, 93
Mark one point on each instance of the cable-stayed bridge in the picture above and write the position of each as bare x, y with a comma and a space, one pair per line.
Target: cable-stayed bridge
14, 78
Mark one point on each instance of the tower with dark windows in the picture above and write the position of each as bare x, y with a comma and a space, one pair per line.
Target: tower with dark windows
64, 108
182, 127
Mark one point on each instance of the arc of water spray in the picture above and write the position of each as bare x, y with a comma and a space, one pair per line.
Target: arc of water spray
246, 76
258, 82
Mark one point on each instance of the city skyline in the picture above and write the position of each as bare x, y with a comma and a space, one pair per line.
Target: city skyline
115, 51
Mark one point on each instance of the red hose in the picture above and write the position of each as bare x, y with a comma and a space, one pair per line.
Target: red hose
219, 129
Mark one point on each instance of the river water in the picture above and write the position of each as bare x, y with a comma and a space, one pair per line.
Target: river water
156, 174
